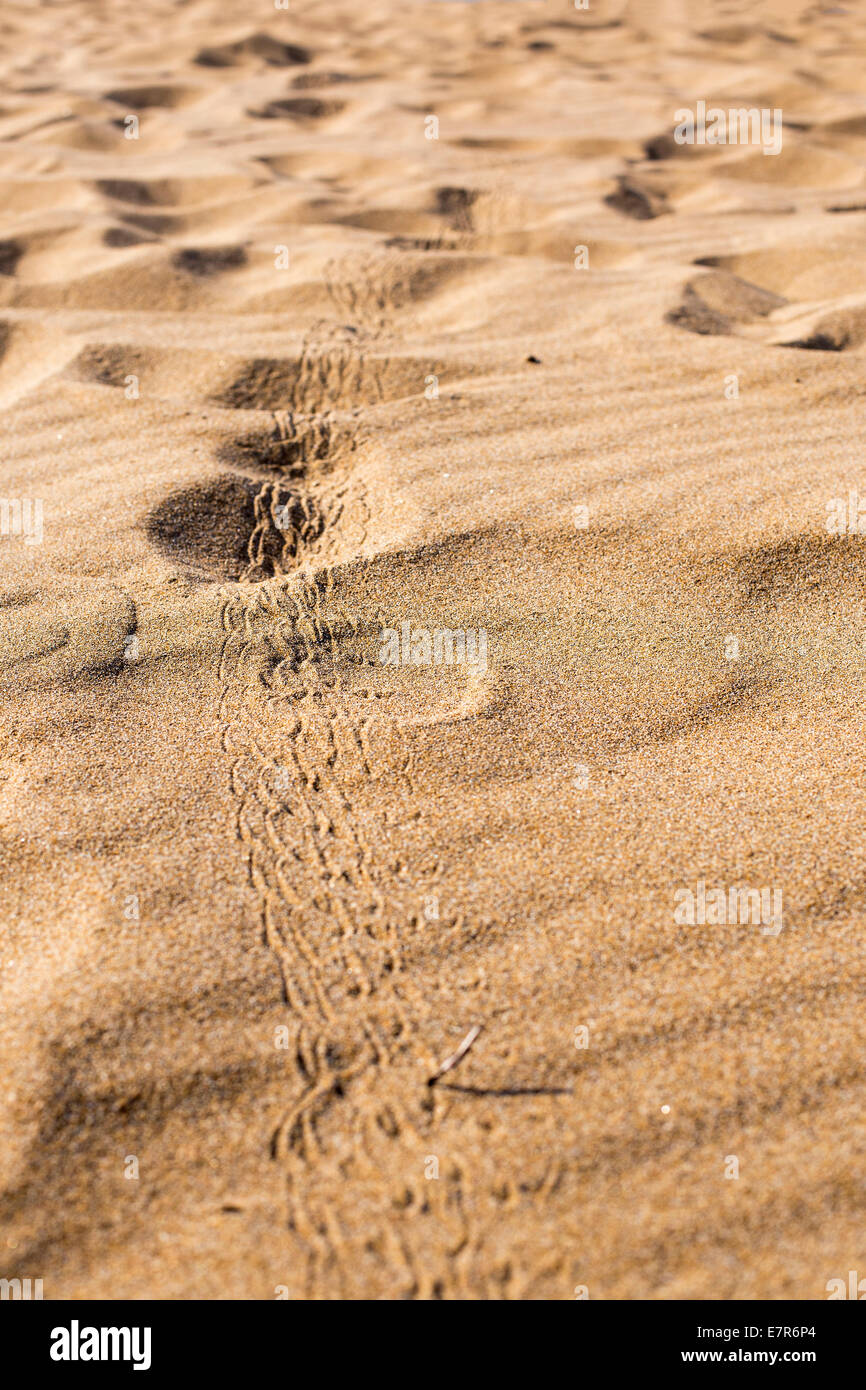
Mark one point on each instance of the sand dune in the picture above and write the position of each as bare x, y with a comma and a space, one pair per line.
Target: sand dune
286, 373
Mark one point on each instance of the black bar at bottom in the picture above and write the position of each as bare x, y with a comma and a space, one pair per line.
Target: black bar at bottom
153, 1339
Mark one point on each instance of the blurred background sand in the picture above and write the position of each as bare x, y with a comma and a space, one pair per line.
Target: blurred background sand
283, 370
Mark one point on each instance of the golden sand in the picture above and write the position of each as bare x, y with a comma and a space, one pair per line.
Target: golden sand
299, 344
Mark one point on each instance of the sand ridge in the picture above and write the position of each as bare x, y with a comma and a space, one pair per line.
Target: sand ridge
285, 372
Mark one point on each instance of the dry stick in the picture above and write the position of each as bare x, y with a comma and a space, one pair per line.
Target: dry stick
451, 1062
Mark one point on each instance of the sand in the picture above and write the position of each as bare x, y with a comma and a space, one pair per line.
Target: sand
284, 372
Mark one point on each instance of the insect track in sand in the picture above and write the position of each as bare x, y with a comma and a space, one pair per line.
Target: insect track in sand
308, 748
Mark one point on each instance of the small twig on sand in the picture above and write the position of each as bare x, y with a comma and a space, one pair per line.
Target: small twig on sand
451, 1062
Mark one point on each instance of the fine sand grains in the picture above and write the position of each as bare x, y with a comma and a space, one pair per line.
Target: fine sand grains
320, 324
